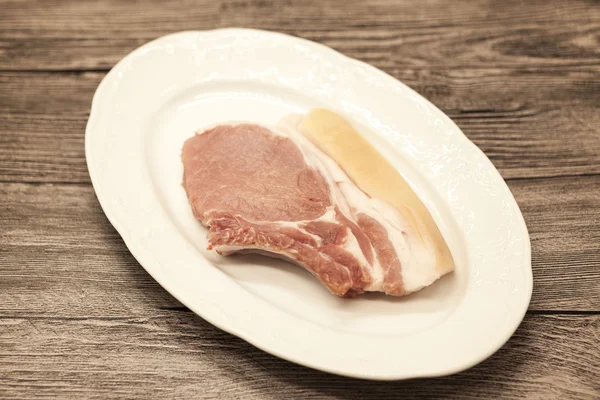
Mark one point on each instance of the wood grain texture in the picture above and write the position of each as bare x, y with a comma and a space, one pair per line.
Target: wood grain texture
43, 148
524, 132
69, 261
55, 94
177, 354
80, 318
392, 34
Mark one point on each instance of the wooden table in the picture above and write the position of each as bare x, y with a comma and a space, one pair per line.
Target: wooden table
80, 318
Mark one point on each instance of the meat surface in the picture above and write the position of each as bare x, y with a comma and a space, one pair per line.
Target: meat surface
272, 191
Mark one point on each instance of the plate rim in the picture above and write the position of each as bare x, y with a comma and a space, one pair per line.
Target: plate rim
137, 253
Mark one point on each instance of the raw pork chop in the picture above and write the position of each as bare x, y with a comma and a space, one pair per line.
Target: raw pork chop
274, 192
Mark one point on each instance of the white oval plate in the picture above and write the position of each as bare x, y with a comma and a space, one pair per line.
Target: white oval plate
158, 95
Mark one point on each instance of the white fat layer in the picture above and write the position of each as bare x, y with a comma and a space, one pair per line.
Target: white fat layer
417, 259
318, 160
419, 266
228, 250
329, 216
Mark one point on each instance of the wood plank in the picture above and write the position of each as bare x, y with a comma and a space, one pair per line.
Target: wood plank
61, 256
179, 354
43, 148
524, 130
563, 219
395, 34
79, 317
48, 93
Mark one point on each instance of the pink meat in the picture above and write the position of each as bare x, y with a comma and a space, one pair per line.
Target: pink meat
256, 191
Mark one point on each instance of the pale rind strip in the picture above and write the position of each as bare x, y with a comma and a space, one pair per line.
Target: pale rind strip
377, 177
